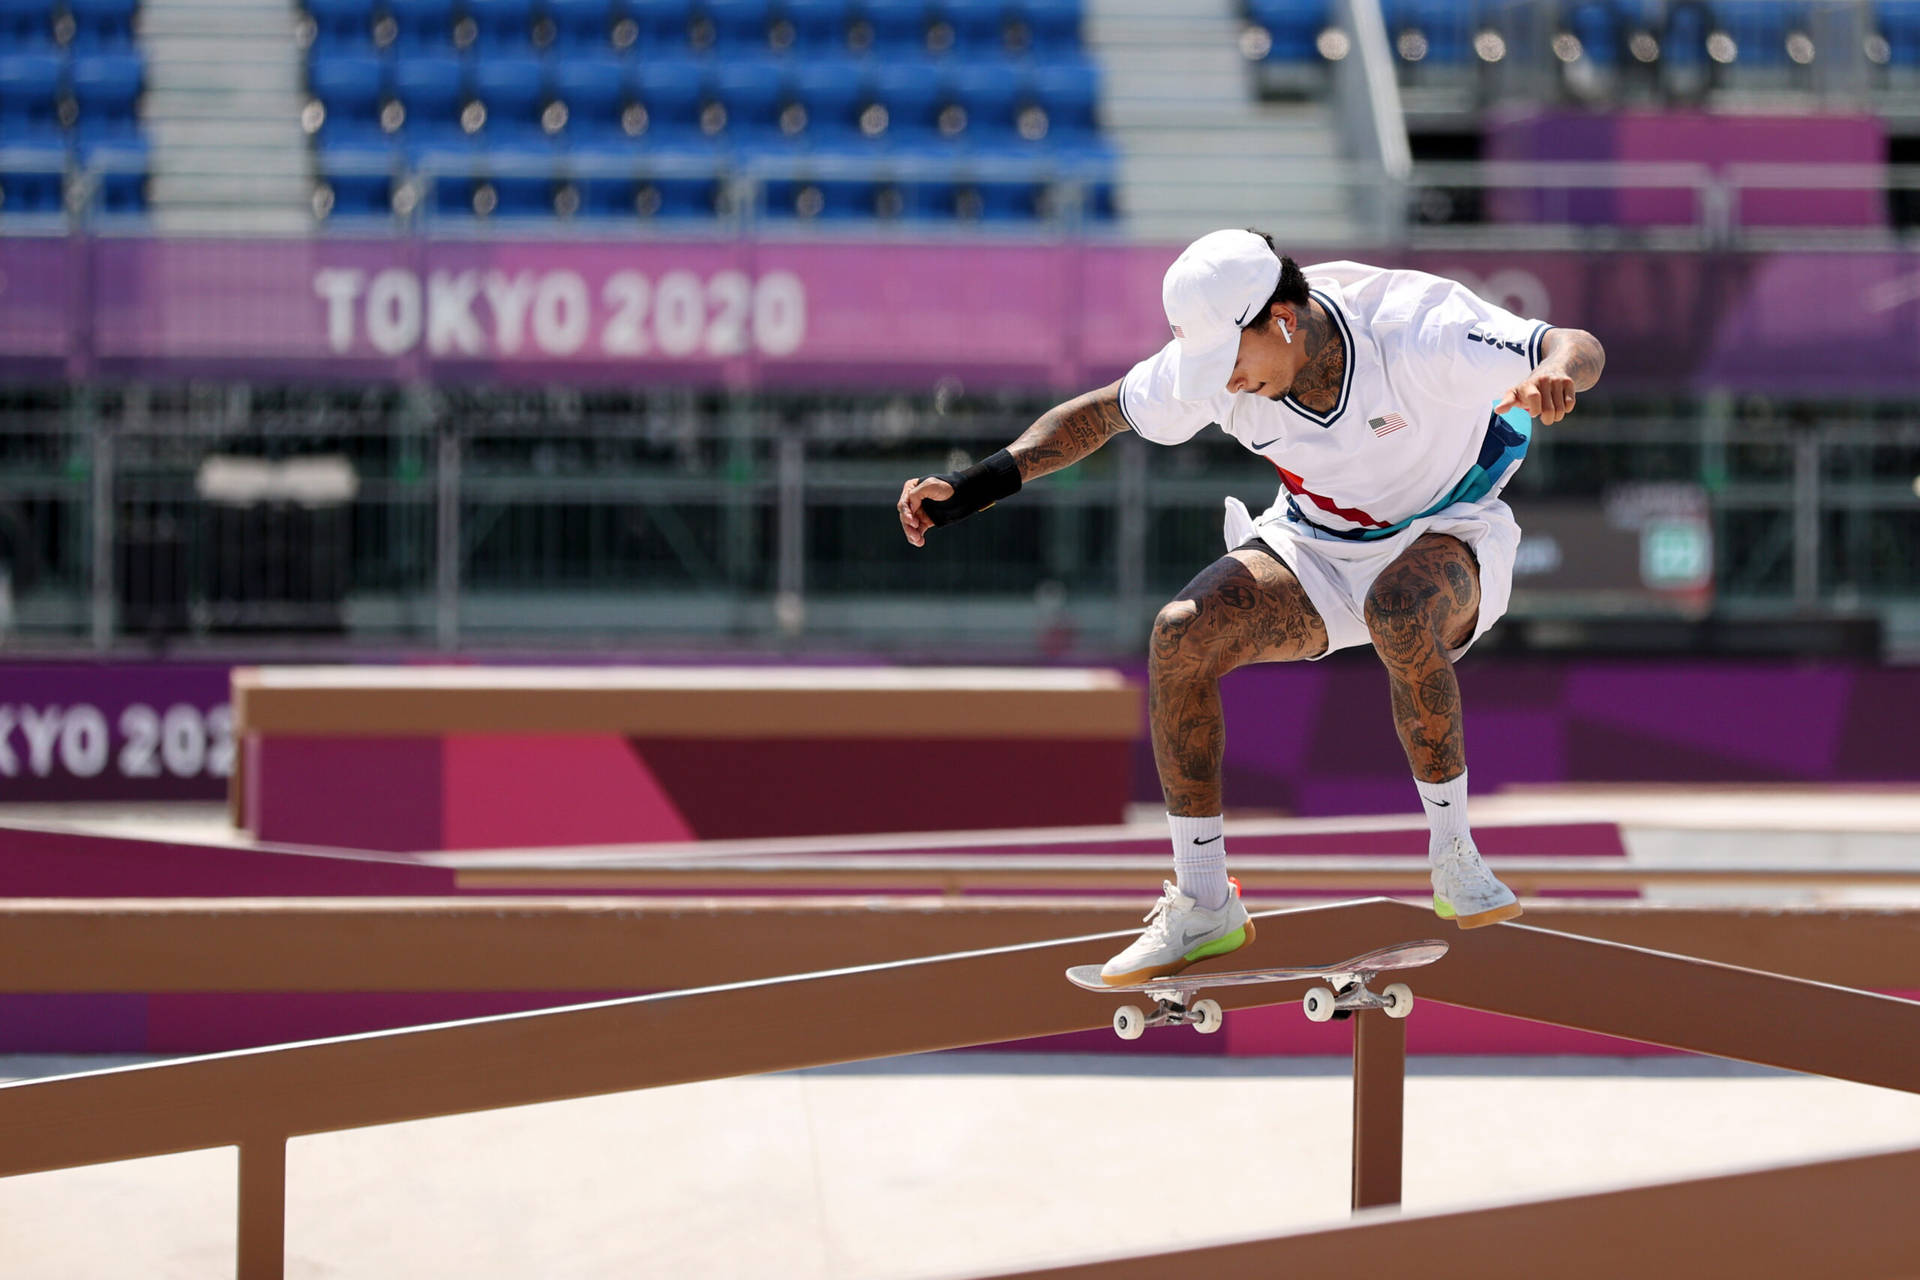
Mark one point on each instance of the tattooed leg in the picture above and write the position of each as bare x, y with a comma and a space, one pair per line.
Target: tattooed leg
1244, 607
1424, 604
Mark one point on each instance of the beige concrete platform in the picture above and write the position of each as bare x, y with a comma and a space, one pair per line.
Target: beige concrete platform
924, 1167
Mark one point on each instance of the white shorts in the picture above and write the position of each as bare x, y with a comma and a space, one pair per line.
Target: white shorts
1337, 573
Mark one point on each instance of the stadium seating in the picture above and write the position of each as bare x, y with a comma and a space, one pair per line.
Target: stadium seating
70, 85
835, 109
1899, 24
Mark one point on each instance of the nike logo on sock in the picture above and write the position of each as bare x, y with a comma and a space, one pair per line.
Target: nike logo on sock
1208, 840
1439, 803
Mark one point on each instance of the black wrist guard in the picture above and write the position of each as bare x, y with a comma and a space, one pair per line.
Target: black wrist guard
974, 489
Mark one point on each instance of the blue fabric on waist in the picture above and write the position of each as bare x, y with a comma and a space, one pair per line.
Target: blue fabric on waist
1501, 450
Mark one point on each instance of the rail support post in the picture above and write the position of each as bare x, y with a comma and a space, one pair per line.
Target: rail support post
263, 1208
1379, 1104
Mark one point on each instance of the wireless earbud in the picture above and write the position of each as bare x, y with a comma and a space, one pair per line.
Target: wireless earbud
1284, 331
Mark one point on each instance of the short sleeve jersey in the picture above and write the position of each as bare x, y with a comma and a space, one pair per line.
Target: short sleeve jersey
1426, 361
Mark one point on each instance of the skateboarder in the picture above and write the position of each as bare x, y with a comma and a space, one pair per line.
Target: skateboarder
1395, 406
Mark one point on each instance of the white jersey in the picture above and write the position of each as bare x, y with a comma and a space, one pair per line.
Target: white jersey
1413, 430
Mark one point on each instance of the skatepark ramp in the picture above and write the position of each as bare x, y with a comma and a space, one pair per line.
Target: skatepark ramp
257, 1099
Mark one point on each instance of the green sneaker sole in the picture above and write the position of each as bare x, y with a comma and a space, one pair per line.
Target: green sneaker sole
1220, 946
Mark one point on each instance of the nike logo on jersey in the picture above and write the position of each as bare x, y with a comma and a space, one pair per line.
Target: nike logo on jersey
1208, 840
1264, 443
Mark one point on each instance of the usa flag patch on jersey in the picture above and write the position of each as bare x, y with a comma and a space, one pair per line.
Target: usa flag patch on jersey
1388, 425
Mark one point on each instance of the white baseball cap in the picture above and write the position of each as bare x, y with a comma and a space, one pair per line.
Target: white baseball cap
1216, 285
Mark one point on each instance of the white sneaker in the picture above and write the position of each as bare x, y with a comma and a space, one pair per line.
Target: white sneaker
1464, 891
1179, 931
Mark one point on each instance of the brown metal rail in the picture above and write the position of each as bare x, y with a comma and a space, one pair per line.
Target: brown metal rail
1850, 1218
653, 943
942, 873
258, 1099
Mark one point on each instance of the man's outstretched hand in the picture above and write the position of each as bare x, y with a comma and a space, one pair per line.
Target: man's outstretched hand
915, 522
1546, 395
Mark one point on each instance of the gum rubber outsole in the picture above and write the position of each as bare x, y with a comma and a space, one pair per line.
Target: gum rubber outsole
1169, 970
1485, 918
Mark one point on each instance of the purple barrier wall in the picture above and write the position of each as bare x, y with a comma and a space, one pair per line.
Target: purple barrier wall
90, 731
1691, 137
1318, 738
871, 316
1309, 738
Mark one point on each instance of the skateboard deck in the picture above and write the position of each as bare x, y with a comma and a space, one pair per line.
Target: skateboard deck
1174, 1003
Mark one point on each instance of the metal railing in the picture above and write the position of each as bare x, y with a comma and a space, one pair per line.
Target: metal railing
1425, 205
551, 515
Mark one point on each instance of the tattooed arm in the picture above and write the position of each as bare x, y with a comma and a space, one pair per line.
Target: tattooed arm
1570, 361
1061, 437
1069, 432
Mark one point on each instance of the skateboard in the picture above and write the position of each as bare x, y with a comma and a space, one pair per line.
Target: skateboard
1348, 993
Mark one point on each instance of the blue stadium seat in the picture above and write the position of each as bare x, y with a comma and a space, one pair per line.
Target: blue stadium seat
658, 26
422, 26
101, 25
838, 182
895, 27
30, 85
1069, 95
819, 26
1683, 40
752, 91
977, 27
1052, 26
738, 26
432, 91
580, 26
988, 95
119, 167
501, 26
1446, 25
671, 91
106, 90
1760, 28
831, 91
514, 92
26, 25
360, 178
594, 90
350, 87
912, 93
32, 175
33, 152
1600, 27
1294, 25
1899, 23
341, 26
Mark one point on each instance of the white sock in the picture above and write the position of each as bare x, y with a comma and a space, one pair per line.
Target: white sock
1200, 859
1446, 806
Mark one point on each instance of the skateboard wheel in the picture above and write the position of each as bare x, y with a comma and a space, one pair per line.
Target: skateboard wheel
1207, 1017
1399, 998
1318, 1004
1129, 1023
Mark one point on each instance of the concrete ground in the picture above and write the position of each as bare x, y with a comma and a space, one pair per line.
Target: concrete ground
938, 1166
